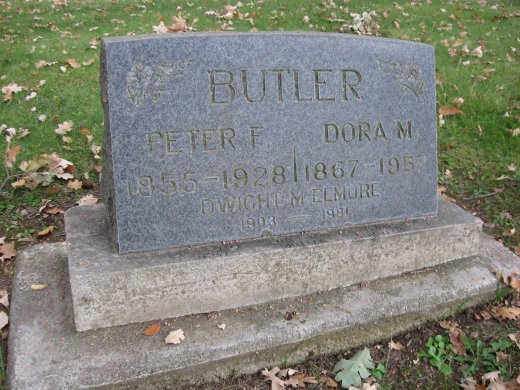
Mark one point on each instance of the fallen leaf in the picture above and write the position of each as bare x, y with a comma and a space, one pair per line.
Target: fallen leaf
276, 383
501, 356
54, 210
458, 101
4, 320
7, 250
46, 231
178, 24
87, 200
509, 232
516, 249
515, 337
11, 154
175, 337
74, 185
396, 346
221, 326
84, 131
299, 380
152, 330
73, 63
8, 90
508, 313
38, 287
64, 128
328, 381
449, 110
477, 52
4, 300
486, 315
457, 336
512, 167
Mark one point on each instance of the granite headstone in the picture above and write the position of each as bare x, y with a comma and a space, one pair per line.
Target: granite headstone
218, 137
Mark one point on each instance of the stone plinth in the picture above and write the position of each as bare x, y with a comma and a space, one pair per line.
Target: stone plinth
112, 289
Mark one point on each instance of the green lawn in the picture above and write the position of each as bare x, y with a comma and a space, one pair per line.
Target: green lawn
478, 150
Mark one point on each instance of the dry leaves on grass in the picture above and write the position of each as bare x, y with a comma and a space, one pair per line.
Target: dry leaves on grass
7, 251
491, 381
457, 336
8, 91
87, 200
42, 170
64, 128
74, 185
73, 63
506, 312
175, 337
10, 155
276, 383
449, 110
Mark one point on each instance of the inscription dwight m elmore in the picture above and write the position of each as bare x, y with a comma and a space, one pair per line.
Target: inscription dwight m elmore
217, 137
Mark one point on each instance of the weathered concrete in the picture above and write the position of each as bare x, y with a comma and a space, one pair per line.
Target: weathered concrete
45, 351
111, 289
217, 137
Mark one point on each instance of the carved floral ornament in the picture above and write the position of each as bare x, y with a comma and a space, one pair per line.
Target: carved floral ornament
409, 76
145, 82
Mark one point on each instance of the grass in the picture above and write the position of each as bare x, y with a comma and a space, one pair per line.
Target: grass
475, 145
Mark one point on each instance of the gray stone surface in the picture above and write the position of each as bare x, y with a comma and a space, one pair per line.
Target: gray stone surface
45, 351
199, 149
113, 289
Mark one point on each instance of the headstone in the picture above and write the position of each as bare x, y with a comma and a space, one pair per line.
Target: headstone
219, 137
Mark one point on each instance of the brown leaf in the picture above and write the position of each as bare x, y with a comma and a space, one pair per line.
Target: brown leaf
7, 250
501, 356
74, 185
87, 200
516, 249
178, 24
449, 110
276, 383
4, 298
486, 315
152, 330
73, 63
38, 287
54, 210
46, 231
84, 132
456, 336
175, 337
11, 154
396, 346
328, 381
299, 380
66, 139
508, 313
18, 183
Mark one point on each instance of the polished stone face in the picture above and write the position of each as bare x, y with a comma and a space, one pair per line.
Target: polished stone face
218, 137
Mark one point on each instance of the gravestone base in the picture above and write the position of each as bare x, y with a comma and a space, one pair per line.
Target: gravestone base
112, 289
46, 351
